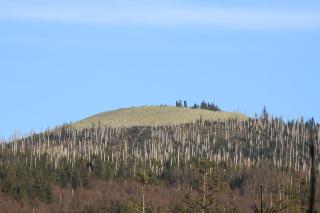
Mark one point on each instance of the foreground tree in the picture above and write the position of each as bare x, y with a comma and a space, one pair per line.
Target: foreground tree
209, 186
142, 178
312, 197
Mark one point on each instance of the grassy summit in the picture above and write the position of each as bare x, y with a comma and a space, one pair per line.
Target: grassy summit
155, 116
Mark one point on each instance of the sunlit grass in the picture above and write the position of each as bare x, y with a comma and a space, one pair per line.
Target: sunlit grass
155, 116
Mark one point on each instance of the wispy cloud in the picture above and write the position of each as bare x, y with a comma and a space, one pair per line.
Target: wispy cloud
168, 15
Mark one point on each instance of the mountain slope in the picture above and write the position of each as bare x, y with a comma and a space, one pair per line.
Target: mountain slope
154, 116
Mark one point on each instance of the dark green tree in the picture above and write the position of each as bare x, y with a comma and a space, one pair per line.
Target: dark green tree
142, 178
185, 105
76, 180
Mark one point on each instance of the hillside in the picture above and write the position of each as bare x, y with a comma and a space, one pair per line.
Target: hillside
155, 116
105, 168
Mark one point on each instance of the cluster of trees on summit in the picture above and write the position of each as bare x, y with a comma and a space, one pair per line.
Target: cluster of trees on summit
203, 105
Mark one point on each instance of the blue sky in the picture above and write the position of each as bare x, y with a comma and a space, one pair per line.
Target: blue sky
61, 62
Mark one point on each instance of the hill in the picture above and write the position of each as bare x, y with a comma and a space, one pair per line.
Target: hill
155, 116
105, 168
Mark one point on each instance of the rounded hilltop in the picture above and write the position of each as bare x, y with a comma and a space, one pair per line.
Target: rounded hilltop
155, 116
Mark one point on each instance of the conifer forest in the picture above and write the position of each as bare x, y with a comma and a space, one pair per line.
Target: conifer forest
262, 164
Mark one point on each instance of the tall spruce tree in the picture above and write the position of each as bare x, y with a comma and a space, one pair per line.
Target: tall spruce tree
185, 105
142, 178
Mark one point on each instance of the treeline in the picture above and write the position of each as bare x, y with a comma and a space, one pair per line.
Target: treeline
203, 105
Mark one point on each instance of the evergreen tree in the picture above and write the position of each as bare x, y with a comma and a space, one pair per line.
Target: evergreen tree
76, 179
142, 178
195, 106
63, 178
179, 103
207, 190
312, 196
203, 105
99, 169
185, 105
264, 114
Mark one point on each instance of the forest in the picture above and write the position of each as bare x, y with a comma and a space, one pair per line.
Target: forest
263, 164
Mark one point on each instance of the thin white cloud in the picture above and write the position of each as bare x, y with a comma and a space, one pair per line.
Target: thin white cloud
168, 15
